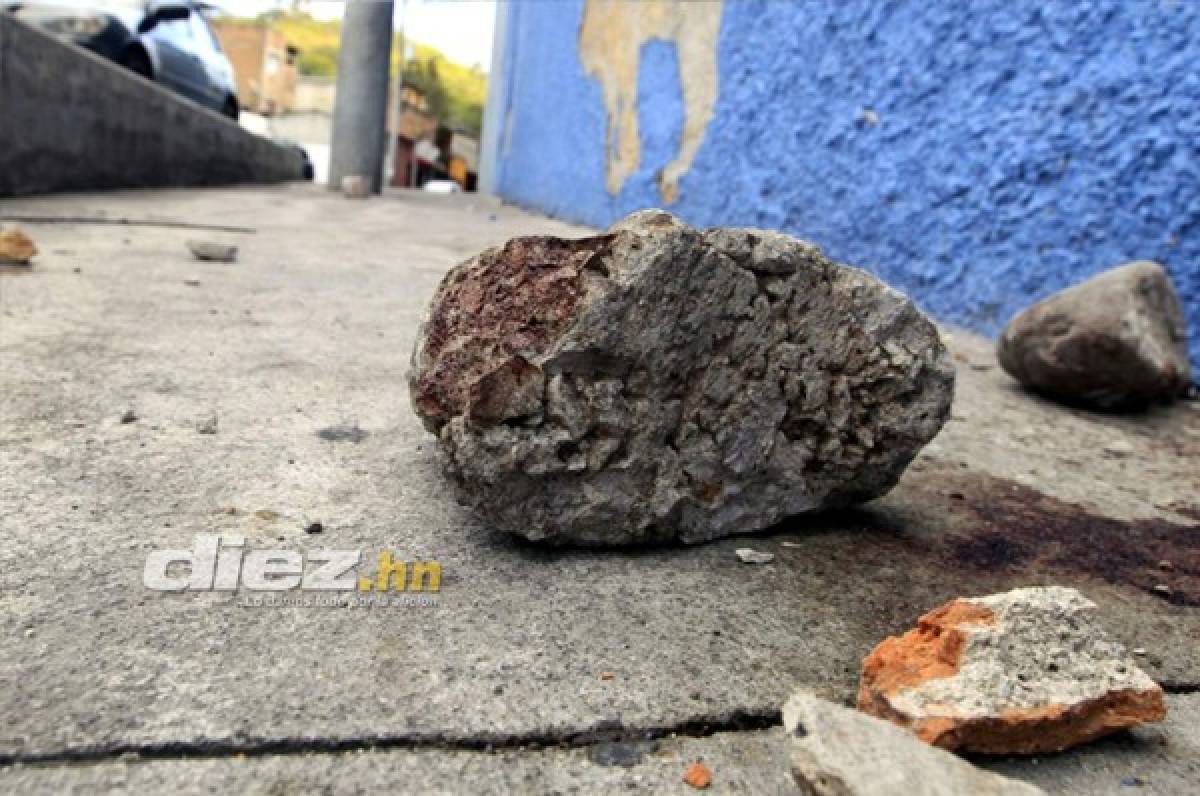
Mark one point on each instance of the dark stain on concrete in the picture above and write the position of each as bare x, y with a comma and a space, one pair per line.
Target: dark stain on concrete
1017, 528
351, 433
976, 531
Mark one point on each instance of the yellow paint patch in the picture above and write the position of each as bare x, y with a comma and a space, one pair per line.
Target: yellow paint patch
610, 44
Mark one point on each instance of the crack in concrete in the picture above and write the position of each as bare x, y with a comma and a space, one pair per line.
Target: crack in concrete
602, 732
1180, 688
126, 222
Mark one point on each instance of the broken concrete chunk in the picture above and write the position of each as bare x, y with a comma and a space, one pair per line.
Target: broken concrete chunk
1023, 672
355, 186
1115, 341
16, 248
660, 382
836, 751
214, 252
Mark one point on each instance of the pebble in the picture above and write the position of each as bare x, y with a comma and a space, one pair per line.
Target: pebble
619, 753
698, 776
748, 556
1119, 448
212, 251
16, 248
355, 186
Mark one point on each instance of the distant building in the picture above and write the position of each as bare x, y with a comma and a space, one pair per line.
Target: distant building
426, 150
264, 63
314, 94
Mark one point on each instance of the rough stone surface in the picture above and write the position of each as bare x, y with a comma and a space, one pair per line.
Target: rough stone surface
1027, 671
661, 382
210, 250
16, 248
836, 751
1117, 340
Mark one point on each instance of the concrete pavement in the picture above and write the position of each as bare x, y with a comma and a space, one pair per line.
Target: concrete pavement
295, 357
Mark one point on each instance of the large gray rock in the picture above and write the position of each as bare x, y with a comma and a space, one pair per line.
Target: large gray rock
660, 382
836, 751
1116, 341
1028, 671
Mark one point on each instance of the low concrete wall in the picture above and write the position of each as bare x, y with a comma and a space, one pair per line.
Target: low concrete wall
71, 121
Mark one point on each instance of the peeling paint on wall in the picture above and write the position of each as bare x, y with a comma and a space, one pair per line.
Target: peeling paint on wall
610, 47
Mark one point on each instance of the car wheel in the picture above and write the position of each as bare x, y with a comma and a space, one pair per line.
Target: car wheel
230, 108
136, 60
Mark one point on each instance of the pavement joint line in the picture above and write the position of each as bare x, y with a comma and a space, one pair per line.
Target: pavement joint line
1180, 688
127, 222
603, 732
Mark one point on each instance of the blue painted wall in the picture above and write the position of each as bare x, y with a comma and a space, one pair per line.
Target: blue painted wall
1019, 147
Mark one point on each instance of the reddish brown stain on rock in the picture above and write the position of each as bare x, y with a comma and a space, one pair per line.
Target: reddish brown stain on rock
509, 304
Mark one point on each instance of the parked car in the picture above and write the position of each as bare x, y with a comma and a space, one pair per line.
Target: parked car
167, 41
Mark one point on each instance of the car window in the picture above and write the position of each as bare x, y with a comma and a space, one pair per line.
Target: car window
202, 33
175, 31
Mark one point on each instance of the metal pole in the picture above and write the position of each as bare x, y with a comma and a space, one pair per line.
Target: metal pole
360, 108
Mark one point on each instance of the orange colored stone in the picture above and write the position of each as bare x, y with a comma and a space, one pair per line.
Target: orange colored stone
930, 651
935, 649
16, 247
698, 776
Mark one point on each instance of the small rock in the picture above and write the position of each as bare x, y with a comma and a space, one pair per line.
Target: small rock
1023, 672
607, 675
1116, 341
1162, 589
1118, 448
130, 416
342, 433
213, 252
208, 425
16, 248
1139, 651
659, 383
314, 527
1166, 566
748, 556
697, 775
836, 751
356, 187
625, 754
